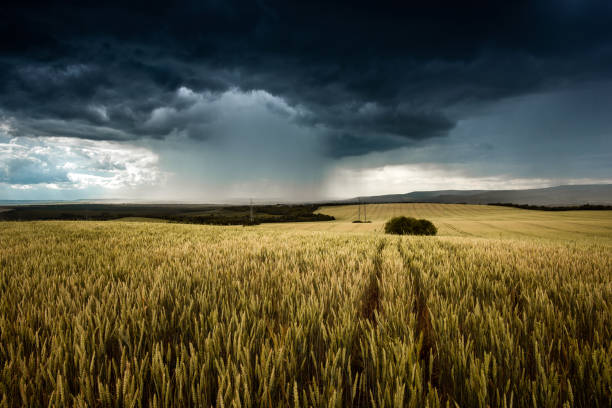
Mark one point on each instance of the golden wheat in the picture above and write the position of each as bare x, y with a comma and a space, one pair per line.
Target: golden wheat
138, 315
471, 221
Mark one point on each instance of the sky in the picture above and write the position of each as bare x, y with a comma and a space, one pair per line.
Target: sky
221, 100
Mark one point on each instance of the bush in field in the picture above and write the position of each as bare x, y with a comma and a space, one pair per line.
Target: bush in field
410, 226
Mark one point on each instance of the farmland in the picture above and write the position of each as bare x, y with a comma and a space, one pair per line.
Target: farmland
158, 314
473, 221
183, 213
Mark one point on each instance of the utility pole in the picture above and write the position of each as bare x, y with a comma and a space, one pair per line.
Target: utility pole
365, 217
359, 208
252, 217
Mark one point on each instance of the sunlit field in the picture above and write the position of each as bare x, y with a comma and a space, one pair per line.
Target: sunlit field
146, 314
482, 221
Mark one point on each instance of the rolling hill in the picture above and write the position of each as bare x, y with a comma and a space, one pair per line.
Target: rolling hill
600, 194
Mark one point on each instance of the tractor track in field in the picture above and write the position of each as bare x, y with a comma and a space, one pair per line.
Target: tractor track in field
459, 231
556, 229
589, 225
508, 231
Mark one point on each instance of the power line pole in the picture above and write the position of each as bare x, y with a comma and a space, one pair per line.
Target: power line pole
365, 217
359, 209
252, 217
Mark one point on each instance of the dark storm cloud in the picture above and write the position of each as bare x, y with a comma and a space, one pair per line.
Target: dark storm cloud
370, 77
347, 144
371, 118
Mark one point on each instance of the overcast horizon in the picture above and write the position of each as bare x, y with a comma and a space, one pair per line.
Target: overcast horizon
210, 101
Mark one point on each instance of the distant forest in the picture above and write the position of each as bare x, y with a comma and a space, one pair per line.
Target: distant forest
192, 214
587, 207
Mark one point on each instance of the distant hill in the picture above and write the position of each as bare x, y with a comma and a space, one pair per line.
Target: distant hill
599, 194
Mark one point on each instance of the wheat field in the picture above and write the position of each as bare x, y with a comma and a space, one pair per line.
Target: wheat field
475, 221
136, 314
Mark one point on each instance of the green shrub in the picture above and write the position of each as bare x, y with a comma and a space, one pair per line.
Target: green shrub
410, 226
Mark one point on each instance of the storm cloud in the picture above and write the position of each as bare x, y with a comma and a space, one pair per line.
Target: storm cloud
358, 78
